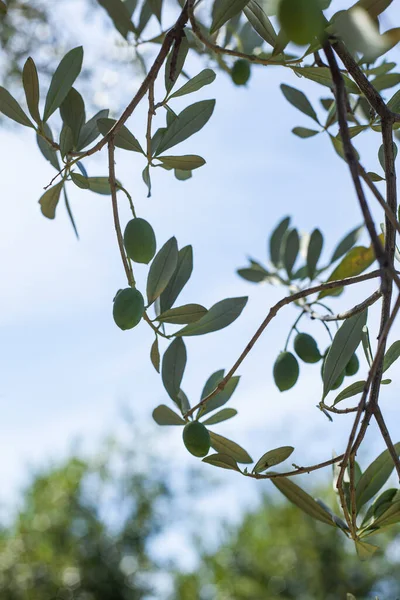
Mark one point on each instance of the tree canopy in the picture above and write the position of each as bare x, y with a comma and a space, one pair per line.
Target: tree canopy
348, 56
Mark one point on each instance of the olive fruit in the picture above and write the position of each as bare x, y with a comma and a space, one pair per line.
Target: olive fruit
352, 366
128, 308
241, 71
196, 438
301, 20
286, 371
140, 241
306, 348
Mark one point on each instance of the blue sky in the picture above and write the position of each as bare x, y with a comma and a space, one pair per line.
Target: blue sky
67, 369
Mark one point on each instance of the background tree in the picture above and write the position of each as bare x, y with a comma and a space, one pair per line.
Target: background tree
276, 552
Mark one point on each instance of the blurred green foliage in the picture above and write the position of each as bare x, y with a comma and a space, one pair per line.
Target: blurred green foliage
278, 553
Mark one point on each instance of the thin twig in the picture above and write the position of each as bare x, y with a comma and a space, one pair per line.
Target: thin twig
348, 313
388, 440
117, 225
150, 115
298, 471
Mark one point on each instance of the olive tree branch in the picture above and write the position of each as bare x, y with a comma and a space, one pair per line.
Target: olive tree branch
298, 471
348, 313
272, 313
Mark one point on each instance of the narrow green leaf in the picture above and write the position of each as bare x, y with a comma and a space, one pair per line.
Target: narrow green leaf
391, 355
292, 245
161, 270
383, 82
66, 140
381, 154
30, 81
323, 76
70, 214
374, 7
374, 477
179, 278
366, 343
375, 177
252, 274
364, 550
220, 315
352, 390
390, 516
175, 62
119, 14
10, 107
48, 202
99, 185
302, 500
299, 101
147, 179
188, 122
221, 398
80, 180
303, 132
347, 243
225, 10
276, 239
155, 355
394, 102
173, 367
212, 383
184, 163
345, 343
156, 7
90, 130
224, 461
272, 457
314, 252
206, 77
46, 149
72, 111
181, 315
258, 18
224, 446
123, 139
163, 415
63, 80
222, 415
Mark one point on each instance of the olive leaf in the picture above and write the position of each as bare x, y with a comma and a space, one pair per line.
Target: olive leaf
10, 107
301, 499
224, 461
49, 200
374, 477
344, 344
173, 367
205, 77
179, 278
188, 122
220, 315
272, 457
63, 80
224, 446
163, 415
162, 269
30, 82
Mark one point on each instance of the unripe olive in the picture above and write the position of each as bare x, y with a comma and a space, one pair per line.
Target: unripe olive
241, 71
140, 241
286, 371
301, 20
128, 308
306, 348
352, 366
196, 438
